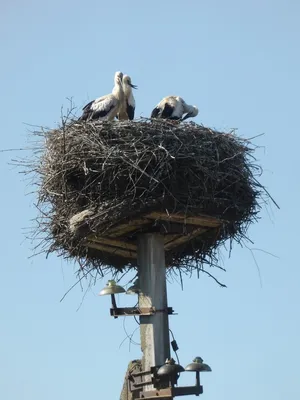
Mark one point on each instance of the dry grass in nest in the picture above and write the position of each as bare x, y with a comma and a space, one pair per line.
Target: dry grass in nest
117, 171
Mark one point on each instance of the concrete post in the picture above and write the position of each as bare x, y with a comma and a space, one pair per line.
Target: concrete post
154, 329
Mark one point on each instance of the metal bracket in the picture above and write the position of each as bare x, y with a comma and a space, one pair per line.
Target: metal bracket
171, 392
163, 388
140, 311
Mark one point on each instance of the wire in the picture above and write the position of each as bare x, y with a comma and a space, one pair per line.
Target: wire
175, 343
128, 336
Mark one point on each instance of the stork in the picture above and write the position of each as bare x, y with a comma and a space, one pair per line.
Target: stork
174, 107
128, 107
105, 107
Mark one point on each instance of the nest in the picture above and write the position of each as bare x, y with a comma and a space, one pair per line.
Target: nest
94, 176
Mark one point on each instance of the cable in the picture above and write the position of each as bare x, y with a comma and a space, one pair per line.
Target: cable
129, 336
174, 346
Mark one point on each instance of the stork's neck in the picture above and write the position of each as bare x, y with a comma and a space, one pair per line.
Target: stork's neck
118, 91
127, 91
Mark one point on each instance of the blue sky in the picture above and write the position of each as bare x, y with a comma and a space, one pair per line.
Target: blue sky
239, 63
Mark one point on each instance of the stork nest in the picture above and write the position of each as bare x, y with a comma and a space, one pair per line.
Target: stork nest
113, 172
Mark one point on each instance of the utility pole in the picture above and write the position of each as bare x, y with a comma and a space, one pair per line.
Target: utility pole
156, 375
154, 329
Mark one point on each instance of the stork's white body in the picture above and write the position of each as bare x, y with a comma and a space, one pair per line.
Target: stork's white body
128, 107
108, 106
174, 107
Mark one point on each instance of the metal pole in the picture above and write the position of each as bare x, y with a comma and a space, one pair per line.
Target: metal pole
154, 329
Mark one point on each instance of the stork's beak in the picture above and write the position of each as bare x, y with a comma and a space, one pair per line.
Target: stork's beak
133, 86
185, 117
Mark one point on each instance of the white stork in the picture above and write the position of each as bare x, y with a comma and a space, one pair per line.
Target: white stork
105, 107
174, 107
128, 107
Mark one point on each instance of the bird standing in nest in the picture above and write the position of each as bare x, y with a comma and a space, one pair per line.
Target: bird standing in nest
173, 108
128, 107
105, 107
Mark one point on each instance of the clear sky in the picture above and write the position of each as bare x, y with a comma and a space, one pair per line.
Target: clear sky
239, 62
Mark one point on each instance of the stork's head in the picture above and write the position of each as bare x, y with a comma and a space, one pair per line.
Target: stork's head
127, 82
118, 77
193, 112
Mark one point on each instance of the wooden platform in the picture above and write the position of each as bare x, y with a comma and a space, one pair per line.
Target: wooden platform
177, 229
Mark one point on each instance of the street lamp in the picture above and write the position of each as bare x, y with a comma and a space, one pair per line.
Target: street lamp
111, 289
197, 366
171, 370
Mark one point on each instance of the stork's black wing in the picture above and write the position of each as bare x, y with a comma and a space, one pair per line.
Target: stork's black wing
98, 108
167, 112
130, 111
86, 111
88, 105
155, 112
